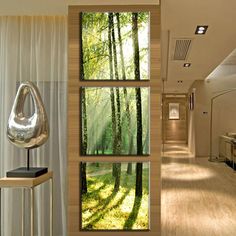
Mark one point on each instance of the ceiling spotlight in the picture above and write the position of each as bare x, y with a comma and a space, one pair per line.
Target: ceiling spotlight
187, 64
201, 29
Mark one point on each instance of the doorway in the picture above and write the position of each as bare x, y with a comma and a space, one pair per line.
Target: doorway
175, 128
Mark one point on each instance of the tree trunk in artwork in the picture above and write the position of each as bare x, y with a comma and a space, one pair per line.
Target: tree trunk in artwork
135, 46
118, 114
113, 120
137, 77
129, 169
83, 178
119, 134
127, 113
84, 141
121, 46
139, 122
139, 166
81, 50
114, 170
84, 122
117, 177
114, 46
103, 143
114, 173
116, 166
139, 180
112, 94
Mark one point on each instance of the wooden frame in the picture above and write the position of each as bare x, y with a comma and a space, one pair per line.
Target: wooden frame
74, 84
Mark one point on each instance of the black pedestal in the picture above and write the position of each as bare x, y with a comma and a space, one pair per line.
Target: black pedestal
23, 172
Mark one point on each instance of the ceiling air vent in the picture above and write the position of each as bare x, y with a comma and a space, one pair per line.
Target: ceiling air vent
181, 50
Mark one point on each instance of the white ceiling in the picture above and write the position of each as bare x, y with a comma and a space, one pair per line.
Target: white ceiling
58, 7
230, 60
227, 68
180, 19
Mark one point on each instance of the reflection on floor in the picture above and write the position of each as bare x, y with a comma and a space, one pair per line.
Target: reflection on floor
198, 197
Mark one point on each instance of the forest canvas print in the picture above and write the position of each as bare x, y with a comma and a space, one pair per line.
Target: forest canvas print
115, 121
114, 46
114, 196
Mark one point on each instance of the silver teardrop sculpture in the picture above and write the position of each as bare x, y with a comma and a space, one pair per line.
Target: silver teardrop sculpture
28, 132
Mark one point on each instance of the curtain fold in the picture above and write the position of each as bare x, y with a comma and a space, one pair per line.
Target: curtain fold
34, 48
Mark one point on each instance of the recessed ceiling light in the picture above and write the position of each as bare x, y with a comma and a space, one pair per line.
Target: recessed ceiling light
187, 64
201, 29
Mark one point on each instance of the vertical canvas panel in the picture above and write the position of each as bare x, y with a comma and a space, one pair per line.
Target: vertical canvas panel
114, 196
115, 121
114, 45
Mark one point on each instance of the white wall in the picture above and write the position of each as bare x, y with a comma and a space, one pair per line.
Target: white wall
58, 7
224, 114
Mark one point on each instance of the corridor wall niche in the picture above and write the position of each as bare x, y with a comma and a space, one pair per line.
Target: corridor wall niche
114, 127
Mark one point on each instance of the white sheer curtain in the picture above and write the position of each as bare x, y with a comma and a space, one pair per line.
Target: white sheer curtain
35, 48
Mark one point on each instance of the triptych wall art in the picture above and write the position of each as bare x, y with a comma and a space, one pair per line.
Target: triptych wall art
114, 121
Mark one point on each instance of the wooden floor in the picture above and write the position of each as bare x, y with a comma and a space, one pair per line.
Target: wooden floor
198, 197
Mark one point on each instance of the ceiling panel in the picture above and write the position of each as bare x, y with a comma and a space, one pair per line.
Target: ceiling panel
207, 51
58, 7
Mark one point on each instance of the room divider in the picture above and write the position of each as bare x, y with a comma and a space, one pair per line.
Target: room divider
114, 120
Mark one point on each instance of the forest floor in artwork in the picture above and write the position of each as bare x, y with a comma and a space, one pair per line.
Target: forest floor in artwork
104, 209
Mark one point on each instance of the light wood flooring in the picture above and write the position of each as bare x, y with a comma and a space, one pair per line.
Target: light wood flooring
198, 197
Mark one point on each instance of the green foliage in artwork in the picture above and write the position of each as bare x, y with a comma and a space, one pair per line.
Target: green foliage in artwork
95, 45
105, 209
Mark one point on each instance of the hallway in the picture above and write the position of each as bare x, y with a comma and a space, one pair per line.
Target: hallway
198, 197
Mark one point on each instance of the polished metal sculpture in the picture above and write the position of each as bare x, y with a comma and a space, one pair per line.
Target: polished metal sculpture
23, 131
27, 131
